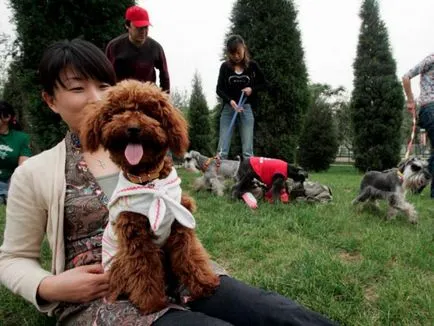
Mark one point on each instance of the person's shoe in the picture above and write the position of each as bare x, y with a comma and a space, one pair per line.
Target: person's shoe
250, 200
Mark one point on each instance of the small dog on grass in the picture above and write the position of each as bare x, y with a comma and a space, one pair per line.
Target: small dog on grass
150, 234
391, 185
271, 172
216, 172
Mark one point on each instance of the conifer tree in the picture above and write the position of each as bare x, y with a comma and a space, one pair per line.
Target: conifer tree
271, 32
318, 141
40, 23
377, 99
199, 119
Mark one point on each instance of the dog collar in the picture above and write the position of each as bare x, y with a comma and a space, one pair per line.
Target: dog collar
208, 162
146, 177
400, 176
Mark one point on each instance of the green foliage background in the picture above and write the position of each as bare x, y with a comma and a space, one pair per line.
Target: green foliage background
40, 23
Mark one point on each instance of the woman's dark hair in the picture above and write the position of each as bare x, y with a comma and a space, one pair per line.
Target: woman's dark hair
232, 45
6, 110
83, 57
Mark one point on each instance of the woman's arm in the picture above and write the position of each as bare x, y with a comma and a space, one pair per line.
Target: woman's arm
406, 83
20, 269
221, 84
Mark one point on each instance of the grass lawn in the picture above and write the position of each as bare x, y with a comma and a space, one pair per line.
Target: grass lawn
346, 263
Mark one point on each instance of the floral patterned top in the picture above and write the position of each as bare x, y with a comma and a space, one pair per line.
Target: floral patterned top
426, 71
86, 216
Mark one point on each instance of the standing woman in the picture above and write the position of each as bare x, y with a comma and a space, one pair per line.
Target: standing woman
238, 74
14, 147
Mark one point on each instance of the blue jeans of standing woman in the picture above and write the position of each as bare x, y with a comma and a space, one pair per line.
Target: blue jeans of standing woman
246, 124
426, 121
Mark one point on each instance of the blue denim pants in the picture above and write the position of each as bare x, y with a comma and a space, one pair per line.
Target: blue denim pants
426, 121
4, 187
247, 122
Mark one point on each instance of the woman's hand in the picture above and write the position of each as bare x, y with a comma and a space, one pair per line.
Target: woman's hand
235, 106
247, 91
80, 284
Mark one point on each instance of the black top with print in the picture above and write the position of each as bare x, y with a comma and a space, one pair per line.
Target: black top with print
230, 83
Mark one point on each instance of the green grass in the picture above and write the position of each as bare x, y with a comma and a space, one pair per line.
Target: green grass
349, 264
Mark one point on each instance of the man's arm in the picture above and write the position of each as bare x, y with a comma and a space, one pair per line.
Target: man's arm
164, 71
109, 53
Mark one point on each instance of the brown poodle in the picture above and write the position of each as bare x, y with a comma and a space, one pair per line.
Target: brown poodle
138, 125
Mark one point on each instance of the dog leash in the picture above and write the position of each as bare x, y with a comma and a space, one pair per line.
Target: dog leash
413, 132
241, 102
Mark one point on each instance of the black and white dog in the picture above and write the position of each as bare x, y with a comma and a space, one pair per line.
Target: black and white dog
391, 185
271, 172
215, 171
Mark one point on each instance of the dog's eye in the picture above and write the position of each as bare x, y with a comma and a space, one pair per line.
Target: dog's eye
188, 159
415, 168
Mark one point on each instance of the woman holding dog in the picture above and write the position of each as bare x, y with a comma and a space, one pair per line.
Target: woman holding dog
14, 147
62, 194
426, 102
240, 78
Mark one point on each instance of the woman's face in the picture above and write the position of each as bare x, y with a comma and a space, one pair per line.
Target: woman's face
69, 101
238, 55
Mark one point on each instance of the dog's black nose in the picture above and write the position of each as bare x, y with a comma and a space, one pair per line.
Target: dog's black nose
133, 131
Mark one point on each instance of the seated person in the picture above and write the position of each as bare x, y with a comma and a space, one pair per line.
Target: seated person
14, 147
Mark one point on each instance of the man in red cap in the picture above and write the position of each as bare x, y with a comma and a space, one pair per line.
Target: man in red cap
135, 55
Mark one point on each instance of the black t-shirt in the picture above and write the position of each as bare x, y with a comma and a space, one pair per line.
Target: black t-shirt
230, 83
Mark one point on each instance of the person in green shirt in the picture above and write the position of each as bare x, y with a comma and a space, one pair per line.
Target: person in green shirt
14, 147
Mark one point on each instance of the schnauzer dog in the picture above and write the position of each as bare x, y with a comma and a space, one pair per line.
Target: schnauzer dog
271, 172
215, 171
420, 180
391, 185
150, 234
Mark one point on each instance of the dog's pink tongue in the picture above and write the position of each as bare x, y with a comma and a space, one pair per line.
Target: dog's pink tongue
133, 153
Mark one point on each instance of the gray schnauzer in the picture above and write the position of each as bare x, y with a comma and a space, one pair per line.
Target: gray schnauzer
215, 171
391, 185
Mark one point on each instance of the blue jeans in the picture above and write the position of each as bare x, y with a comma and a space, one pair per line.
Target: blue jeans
4, 187
247, 122
426, 121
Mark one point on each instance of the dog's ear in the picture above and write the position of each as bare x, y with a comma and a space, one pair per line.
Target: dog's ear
177, 128
90, 132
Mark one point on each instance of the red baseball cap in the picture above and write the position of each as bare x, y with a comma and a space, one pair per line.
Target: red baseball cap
137, 16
